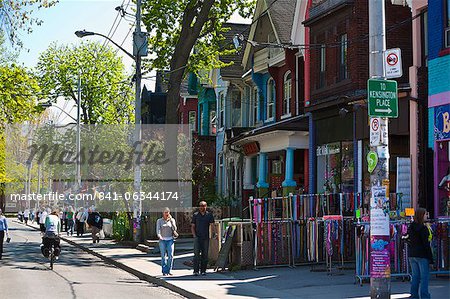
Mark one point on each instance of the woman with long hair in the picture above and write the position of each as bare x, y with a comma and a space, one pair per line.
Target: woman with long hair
166, 230
420, 256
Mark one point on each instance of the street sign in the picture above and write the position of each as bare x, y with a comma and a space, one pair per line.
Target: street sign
393, 63
383, 100
375, 131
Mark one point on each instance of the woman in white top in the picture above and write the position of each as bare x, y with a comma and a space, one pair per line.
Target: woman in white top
166, 230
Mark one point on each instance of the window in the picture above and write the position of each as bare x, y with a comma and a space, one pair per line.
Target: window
212, 122
232, 180
220, 174
287, 93
277, 167
236, 104
255, 105
270, 99
447, 24
322, 59
221, 109
343, 57
191, 120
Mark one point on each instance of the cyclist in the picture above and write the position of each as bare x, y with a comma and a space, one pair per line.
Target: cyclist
51, 236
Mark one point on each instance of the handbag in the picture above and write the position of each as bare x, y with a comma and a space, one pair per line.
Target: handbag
174, 232
8, 239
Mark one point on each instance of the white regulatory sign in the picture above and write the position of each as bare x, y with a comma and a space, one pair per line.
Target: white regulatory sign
393, 63
375, 131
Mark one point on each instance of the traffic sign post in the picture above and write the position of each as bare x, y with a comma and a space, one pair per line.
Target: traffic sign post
383, 99
393, 63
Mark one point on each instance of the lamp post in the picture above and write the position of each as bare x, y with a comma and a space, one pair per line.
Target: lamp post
139, 41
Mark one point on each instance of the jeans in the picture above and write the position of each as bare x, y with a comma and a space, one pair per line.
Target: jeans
201, 247
166, 247
70, 227
2, 236
420, 275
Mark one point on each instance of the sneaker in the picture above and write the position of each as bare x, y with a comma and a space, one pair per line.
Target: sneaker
203, 273
195, 273
56, 257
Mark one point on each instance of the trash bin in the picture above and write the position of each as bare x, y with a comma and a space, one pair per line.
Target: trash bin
107, 227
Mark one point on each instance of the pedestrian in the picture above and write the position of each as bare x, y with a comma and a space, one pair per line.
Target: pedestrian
36, 216
3, 231
42, 218
70, 223
81, 217
95, 221
166, 230
200, 224
20, 216
420, 256
26, 216
63, 217
31, 215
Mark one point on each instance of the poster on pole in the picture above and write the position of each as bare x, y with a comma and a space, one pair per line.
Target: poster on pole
379, 233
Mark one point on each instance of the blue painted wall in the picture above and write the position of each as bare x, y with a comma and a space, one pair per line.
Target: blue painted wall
435, 27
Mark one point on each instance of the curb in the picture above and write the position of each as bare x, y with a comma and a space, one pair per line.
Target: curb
142, 276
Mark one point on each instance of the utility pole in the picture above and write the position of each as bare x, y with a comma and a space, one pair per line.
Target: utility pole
38, 185
78, 140
380, 276
137, 205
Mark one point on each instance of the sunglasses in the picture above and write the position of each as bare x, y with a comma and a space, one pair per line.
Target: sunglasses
202, 206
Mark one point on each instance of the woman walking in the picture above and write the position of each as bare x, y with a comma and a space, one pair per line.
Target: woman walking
420, 254
166, 230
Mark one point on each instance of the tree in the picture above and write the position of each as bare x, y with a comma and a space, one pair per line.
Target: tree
106, 95
179, 26
17, 16
19, 92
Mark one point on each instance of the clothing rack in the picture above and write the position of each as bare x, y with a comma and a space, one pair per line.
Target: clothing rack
440, 246
272, 222
398, 250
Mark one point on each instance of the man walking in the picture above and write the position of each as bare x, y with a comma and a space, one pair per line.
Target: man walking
200, 223
95, 221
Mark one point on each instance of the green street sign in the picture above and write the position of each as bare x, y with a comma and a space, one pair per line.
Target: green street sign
383, 99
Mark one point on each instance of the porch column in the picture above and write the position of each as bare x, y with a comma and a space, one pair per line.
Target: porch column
263, 186
289, 184
248, 180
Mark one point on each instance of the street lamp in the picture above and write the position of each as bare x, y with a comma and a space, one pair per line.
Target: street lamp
139, 49
84, 33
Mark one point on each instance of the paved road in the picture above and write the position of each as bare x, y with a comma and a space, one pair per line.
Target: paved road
25, 273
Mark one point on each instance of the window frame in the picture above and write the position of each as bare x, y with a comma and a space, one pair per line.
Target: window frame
343, 57
270, 105
287, 94
255, 105
322, 65
193, 126
221, 109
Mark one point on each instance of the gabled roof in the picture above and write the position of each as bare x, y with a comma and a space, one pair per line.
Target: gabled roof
281, 14
235, 70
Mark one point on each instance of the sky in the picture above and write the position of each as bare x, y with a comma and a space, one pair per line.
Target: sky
62, 20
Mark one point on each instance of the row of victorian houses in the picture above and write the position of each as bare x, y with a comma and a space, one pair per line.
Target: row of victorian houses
290, 113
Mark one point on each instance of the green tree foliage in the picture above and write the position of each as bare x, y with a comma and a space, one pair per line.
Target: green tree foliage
179, 26
106, 94
16, 16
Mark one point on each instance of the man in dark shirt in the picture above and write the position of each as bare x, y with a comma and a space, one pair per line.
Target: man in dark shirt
200, 223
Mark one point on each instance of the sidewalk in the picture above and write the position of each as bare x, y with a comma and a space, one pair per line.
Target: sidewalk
286, 282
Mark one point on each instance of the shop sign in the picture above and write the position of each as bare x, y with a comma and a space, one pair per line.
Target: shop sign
251, 148
442, 122
325, 150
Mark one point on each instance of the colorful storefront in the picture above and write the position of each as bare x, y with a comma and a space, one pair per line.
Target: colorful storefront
439, 103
